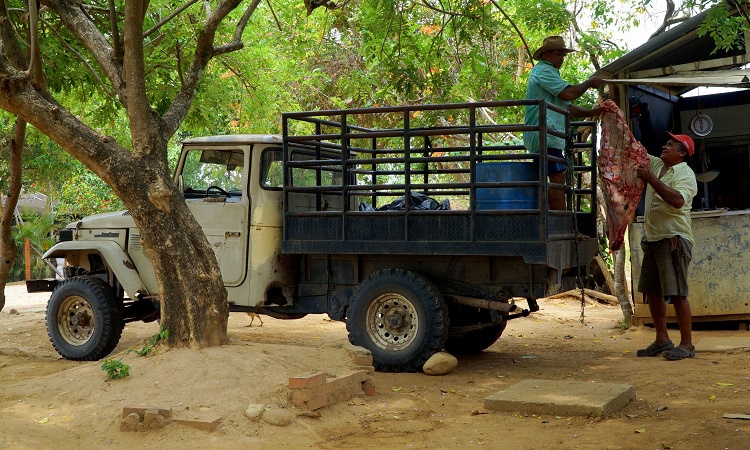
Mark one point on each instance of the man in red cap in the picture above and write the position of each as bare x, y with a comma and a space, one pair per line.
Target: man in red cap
668, 244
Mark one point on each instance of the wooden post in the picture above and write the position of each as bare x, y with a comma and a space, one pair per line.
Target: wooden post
27, 257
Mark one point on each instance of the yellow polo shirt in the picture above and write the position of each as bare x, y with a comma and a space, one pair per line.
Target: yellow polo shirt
662, 220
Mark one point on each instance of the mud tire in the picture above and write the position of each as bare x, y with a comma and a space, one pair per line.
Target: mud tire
476, 341
84, 320
401, 317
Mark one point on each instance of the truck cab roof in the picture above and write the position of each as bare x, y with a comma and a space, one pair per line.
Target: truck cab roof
235, 139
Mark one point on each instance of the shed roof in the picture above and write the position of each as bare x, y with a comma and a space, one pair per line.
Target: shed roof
679, 57
737, 78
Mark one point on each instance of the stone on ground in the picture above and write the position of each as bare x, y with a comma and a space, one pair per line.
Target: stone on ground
440, 363
562, 398
278, 417
721, 344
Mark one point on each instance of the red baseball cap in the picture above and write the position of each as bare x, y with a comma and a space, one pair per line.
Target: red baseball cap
685, 140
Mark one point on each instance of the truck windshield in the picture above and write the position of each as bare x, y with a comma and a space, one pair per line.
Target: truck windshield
204, 169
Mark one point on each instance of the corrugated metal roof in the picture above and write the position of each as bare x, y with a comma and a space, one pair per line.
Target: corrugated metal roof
679, 45
735, 78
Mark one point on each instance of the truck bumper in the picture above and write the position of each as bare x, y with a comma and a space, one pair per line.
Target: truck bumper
45, 285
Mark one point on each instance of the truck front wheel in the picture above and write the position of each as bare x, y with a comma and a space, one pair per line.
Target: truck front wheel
84, 322
401, 317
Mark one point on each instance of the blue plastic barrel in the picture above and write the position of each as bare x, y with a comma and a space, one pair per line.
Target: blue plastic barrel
509, 197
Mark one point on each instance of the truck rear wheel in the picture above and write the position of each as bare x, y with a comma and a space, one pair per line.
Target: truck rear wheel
401, 317
84, 322
474, 341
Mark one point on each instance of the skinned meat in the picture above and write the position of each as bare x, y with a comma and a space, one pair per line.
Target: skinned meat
619, 156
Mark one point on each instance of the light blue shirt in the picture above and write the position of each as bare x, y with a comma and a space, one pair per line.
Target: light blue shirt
545, 83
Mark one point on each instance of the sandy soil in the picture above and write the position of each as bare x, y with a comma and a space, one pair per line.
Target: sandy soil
47, 402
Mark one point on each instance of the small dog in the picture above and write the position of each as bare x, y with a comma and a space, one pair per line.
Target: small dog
253, 316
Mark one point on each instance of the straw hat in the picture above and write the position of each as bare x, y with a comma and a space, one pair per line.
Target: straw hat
552, 43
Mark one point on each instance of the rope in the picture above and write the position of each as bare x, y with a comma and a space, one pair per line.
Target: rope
569, 179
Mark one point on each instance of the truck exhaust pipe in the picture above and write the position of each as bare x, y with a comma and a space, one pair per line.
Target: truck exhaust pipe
483, 304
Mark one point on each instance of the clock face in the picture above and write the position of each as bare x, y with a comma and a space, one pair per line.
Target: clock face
701, 125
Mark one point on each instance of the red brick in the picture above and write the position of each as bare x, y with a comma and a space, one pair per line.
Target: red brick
198, 420
165, 411
362, 360
338, 389
316, 403
307, 381
298, 396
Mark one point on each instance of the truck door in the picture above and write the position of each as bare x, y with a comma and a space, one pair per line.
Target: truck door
214, 182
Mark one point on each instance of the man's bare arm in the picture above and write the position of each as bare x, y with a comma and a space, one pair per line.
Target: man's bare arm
574, 91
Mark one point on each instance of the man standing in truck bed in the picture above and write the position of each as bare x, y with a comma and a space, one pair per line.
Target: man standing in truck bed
545, 83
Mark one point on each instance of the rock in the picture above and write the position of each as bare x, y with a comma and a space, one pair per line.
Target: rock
355, 349
254, 411
157, 422
130, 422
153, 420
13, 311
440, 363
278, 417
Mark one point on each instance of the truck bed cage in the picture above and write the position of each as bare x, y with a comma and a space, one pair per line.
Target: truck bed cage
343, 168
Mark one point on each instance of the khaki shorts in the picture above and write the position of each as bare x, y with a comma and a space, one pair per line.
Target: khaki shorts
664, 270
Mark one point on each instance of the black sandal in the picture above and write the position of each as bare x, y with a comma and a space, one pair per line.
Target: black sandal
655, 348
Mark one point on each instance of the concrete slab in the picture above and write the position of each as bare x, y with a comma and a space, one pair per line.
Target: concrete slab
720, 344
562, 398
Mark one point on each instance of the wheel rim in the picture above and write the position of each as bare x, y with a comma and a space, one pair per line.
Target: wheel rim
75, 320
392, 322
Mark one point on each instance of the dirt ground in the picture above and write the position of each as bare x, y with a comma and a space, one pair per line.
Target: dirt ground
47, 402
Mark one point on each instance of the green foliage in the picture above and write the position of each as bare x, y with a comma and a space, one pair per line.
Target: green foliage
367, 53
623, 324
146, 350
115, 369
726, 30
83, 193
37, 229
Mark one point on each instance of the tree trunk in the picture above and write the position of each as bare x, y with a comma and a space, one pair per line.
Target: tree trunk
194, 306
8, 250
621, 286
193, 298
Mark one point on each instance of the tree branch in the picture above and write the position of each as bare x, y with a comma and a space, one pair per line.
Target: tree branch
169, 17
138, 107
668, 15
592, 55
93, 72
204, 51
525, 45
448, 13
35, 57
273, 13
236, 43
74, 18
117, 52
9, 37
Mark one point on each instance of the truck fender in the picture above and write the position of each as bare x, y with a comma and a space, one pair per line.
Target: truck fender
117, 260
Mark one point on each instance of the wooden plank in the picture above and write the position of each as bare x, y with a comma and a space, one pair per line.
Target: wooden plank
607, 276
690, 67
610, 299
